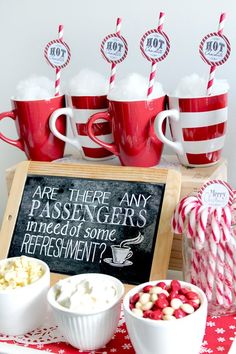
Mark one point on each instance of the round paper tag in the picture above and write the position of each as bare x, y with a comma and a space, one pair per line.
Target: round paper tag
57, 53
216, 193
215, 49
114, 48
155, 45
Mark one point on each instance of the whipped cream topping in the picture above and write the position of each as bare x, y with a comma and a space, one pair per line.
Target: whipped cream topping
86, 294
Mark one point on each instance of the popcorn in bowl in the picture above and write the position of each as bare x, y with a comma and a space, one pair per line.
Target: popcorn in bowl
19, 272
24, 283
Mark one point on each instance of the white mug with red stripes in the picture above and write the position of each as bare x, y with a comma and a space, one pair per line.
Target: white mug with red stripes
197, 126
79, 110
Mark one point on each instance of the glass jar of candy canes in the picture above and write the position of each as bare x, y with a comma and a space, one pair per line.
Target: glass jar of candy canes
207, 223
212, 267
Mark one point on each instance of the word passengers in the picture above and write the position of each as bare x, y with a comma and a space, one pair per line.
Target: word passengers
98, 211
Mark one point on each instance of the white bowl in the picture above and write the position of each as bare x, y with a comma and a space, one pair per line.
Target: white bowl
23, 309
182, 335
88, 331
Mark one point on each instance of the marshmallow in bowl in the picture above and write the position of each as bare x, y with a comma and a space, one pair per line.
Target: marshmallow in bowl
85, 295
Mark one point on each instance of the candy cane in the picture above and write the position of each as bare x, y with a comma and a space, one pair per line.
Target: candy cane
212, 239
229, 273
211, 271
203, 265
220, 273
187, 207
195, 259
199, 263
213, 233
233, 206
203, 229
195, 268
200, 243
229, 256
191, 226
180, 213
226, 247
220, 258
192, 221
202, 225
226, 223
221, 296
212, 263
232, 251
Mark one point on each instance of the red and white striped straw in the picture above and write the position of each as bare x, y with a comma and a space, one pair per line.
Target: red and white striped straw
113, 65
213, 67
154, 65
58, 71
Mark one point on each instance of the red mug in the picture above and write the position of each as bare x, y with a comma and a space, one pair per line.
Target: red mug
198, 128
79, 110
32, 124
135, 142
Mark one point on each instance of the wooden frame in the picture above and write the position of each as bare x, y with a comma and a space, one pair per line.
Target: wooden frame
170, 178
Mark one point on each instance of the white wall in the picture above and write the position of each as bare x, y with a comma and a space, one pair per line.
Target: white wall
27, 25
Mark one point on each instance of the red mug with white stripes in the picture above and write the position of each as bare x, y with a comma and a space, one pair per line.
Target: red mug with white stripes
198, 128
135, 142
79, 110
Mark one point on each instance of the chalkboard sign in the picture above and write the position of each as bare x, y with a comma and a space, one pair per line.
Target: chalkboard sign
103, 219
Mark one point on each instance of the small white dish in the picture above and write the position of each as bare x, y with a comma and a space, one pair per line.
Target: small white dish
23, 309
88, 330
183, 335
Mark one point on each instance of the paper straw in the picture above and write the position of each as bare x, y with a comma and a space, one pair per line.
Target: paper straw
113, 65
154, 65
213, 67
58, 70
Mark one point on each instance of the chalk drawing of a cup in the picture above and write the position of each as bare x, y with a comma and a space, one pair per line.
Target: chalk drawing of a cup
120, 254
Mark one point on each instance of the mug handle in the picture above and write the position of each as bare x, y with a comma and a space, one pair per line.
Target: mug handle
101, 115
18, 142
172, 114
53, 121
130, 254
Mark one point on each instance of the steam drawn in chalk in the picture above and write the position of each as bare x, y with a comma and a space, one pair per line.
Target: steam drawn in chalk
122, 252
132, 241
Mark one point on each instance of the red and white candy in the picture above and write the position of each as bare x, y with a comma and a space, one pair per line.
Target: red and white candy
164, 302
